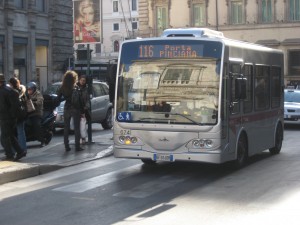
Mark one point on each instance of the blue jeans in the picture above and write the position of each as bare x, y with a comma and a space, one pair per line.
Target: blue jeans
21, 135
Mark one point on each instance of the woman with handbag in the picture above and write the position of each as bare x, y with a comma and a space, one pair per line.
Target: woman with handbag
21, 90
70, 110
35, 117
85, 110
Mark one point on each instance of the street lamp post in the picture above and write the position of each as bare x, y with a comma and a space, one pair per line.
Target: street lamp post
90, 91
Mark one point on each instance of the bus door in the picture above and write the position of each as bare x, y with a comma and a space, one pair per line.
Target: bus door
235, 115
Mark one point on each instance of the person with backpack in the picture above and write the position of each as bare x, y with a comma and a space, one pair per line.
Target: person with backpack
9, 103
70, 92
21, 90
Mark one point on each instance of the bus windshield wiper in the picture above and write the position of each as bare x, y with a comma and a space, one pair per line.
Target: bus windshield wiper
155, 119
186, 116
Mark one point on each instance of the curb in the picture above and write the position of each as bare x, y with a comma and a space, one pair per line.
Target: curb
14, 171
21, 171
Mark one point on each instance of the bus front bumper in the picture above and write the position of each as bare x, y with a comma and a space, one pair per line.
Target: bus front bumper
208, 157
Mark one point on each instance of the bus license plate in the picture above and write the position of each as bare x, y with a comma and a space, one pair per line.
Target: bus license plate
163, 157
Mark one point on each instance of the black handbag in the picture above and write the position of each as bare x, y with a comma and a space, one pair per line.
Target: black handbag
22, 110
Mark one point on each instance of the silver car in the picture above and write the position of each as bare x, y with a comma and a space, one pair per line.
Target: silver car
101, 106
291, 104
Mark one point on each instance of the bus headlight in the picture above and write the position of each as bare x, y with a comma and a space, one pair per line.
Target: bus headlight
202, 143
209, 143
196, 143
133, 140
128, 140
122, 139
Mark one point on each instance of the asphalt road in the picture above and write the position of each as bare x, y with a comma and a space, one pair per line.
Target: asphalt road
120, 191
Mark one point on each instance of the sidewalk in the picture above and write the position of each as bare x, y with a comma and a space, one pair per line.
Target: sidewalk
52, 157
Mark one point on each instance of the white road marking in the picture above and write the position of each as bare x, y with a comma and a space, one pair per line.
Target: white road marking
47, 180
99, 181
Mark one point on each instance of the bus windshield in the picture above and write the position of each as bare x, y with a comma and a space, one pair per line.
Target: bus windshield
172, 82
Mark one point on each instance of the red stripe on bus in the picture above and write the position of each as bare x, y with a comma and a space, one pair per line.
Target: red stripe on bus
253, 117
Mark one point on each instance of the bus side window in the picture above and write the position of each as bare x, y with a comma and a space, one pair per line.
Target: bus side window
275, 86
248, 102
262, 87
235, 71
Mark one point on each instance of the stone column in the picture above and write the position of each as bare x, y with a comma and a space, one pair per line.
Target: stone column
145, 29
31, 56
9, 50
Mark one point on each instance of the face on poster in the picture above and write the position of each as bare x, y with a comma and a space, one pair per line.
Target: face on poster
87, 22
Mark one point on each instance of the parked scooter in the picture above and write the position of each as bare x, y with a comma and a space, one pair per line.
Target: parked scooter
48, 120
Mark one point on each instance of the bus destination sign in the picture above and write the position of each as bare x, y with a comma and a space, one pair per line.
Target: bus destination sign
170, 51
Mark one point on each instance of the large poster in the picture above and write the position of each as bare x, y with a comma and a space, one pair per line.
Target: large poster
87, 22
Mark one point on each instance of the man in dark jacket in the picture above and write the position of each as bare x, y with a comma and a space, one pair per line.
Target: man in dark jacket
9, 101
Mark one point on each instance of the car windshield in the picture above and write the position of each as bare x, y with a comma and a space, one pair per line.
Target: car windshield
52, 89
292, 96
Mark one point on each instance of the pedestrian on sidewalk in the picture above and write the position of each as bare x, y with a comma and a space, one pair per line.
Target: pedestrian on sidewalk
21, 90
9, 103
65, 93
85, 110
35, 117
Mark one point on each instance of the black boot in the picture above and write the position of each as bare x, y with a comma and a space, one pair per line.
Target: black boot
67, 148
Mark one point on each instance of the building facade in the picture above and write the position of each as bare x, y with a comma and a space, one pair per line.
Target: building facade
274, 23
119, 21
35, 39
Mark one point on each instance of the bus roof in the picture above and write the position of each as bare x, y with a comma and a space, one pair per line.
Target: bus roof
206, 34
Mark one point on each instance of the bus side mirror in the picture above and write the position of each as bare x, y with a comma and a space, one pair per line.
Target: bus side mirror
240, 88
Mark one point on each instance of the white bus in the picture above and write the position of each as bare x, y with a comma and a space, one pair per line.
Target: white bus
194, 95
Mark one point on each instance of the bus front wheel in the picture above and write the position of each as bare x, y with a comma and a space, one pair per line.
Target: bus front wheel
278, 141
242, 153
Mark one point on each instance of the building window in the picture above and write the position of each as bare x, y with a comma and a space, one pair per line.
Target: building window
20, 58
133, 5
161, 19
294, 10
266, 11
20, 4
41, 5
199, 15
116, 46
237, 12
294, 62
41, 59
134, 25
115, 6
116, 27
